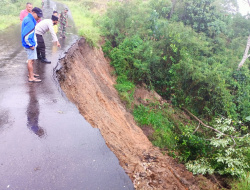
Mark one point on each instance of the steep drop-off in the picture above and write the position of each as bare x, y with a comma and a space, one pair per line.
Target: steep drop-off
86, 80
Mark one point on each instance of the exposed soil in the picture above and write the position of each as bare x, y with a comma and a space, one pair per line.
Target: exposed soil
86, 80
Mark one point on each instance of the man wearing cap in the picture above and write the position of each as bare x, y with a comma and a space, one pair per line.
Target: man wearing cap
29, 40
41, 28
63, 22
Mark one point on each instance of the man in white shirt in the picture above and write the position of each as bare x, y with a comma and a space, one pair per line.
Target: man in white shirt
41, 28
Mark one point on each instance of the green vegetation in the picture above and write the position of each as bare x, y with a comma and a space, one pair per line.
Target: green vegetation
227, 153
8, 20
157, 117
244, 183
192, 69
10, 11
125, 89
188, 51
81, 10
85, 20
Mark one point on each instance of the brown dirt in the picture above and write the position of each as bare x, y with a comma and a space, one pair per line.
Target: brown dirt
144, 96
85, 78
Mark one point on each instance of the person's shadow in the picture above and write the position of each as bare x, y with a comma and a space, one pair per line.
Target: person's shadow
33, 113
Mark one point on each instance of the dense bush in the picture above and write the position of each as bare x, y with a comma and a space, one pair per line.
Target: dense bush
191, 69
192, 147
190, 57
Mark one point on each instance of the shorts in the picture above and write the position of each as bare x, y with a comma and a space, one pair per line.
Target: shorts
31, 53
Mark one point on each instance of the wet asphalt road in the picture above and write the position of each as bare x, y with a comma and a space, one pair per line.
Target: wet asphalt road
44, 142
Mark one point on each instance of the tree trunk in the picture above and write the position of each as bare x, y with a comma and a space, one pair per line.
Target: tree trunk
245, 56
172, 9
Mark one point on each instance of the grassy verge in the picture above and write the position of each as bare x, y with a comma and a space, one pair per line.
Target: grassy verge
9, 11
7, 21
85, 17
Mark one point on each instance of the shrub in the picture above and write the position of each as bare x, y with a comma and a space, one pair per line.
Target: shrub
149, 116
228, 154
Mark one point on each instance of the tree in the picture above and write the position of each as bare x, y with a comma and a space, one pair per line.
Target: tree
174, 2
245, 56
208, 16
229, 6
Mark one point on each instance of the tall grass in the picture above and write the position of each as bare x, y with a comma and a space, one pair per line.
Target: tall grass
7, 21
157, 117
242, 184
85, 20
10, 11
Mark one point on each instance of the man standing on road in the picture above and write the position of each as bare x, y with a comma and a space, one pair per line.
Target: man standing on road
25, 12
29, 40
55, 26
42, 3
41, 28
63, 22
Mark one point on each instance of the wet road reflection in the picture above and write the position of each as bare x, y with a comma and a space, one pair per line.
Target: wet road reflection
33, 113
4, 119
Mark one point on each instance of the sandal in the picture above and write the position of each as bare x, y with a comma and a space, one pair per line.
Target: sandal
35, 80
35, 75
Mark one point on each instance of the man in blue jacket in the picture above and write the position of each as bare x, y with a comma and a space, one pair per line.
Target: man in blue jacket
29, 41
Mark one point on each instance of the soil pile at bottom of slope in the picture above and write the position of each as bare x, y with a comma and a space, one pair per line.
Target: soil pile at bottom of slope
86, 80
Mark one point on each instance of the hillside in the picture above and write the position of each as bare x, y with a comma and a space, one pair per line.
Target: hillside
86, 79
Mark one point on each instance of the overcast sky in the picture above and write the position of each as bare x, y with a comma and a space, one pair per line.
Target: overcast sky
244, 7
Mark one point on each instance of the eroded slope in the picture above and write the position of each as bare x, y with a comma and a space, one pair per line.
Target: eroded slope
85, 78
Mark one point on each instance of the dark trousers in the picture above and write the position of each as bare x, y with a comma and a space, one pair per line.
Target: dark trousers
40, 46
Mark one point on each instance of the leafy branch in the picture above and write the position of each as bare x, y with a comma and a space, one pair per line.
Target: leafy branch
223, 158
212, 128
201, 122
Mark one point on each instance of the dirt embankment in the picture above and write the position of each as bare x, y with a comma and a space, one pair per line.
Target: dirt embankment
85, 78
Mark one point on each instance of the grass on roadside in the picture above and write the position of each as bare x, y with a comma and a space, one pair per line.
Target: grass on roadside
9, 11
85, 22
7, 21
